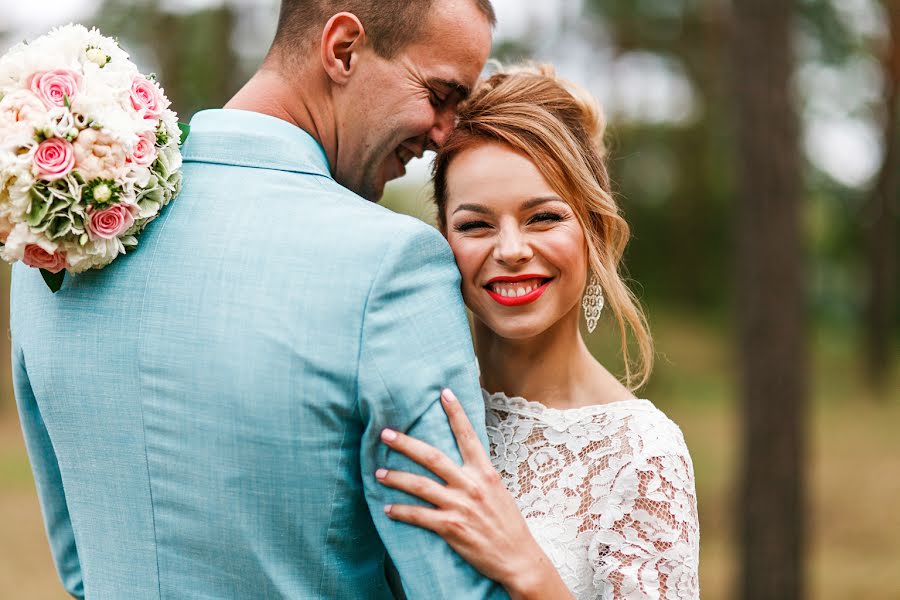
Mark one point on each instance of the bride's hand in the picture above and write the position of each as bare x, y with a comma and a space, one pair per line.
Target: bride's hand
473, 511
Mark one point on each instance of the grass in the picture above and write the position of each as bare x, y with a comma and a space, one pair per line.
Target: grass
854, 459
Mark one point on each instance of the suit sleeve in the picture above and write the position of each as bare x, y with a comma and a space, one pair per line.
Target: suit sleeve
416, 341
48, 480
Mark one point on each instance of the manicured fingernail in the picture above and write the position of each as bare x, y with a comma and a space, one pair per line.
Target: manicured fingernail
448, 396
380, 473
387, 509
388, 435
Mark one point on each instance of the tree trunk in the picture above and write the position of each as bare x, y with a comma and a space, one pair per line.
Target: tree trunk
771, 304
881, 218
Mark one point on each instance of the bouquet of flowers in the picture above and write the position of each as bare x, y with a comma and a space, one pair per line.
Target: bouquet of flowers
89, 152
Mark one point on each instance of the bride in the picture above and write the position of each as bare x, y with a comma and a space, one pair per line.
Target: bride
585, 491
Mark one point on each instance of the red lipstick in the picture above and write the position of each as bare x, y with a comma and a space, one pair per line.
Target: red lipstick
518, 300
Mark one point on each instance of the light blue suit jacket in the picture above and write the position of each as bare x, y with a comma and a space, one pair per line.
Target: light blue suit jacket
203, 415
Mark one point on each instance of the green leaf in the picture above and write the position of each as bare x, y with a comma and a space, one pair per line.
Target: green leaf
39, 208
54, 281
59, 227
185, 132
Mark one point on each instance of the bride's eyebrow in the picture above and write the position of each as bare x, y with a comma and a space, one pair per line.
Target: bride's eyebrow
476, 208
533, 202
526, 205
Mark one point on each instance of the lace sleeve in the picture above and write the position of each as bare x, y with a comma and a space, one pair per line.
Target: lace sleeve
646, 533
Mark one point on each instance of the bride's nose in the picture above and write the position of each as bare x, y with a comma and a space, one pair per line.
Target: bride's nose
512, 248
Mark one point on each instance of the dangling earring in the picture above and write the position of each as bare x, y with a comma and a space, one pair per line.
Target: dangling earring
592, 303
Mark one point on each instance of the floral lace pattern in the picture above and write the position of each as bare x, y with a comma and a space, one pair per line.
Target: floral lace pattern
606, 490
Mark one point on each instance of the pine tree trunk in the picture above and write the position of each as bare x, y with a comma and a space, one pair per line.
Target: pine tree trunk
881, 218
771, 304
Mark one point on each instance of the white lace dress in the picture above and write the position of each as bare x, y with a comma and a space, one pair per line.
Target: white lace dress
607, 491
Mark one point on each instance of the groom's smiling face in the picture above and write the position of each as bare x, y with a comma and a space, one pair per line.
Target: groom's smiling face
404, 105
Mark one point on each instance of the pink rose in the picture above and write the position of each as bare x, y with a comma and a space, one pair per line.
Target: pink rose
37, 257
54, 159
53, 87
144, 152
146, 97
111, 222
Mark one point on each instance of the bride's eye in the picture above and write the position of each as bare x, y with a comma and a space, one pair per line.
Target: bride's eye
546, 217
470, 226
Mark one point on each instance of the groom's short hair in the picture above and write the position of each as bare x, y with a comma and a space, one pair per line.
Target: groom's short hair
390, 24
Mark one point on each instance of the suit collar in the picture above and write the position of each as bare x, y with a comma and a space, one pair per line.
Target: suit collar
249, 139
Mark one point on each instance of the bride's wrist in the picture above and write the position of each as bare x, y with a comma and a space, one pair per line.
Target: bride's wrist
530, 579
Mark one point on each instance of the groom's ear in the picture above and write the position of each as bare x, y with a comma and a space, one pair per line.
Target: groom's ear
342, 40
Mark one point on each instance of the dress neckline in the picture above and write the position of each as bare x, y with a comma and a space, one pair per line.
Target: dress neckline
520, 404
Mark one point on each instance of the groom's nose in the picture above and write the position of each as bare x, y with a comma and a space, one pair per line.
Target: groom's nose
444, 122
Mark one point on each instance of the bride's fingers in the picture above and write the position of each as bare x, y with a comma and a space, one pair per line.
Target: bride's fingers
421, 516
422, 454
415, 485
466, 439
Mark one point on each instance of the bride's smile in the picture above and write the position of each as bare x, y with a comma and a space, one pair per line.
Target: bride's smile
517, 290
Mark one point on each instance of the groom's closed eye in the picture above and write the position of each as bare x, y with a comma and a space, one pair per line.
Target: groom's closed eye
437, 99
447, 92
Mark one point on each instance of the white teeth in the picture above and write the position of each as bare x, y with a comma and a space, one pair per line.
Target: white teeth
513, 290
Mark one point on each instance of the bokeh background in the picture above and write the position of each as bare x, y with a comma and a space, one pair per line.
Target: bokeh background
677, 84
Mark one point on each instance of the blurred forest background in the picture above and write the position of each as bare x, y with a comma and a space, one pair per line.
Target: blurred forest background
754, 149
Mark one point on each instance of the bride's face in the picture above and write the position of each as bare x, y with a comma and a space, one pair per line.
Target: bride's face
521, 250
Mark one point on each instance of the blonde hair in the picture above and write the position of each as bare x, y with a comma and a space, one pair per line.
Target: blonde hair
560, 127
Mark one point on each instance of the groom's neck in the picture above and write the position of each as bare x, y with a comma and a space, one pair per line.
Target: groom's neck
297, 99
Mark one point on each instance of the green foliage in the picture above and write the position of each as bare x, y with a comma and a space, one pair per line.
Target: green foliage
185, 132
819, 20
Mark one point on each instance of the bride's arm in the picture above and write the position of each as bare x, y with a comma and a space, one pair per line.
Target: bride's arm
473, 511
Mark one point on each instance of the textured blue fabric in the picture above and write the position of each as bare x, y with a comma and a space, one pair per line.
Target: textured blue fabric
203, 415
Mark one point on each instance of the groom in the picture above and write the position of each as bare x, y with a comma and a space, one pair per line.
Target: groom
203, 416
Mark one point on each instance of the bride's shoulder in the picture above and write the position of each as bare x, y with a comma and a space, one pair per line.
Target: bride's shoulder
655, 431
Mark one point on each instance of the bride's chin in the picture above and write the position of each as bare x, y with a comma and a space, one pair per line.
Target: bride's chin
518, 329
